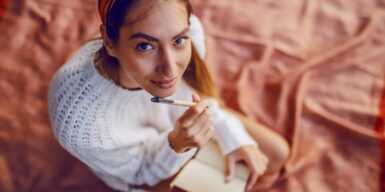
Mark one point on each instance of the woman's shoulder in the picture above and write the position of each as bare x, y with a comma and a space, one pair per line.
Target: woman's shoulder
82, 58
77, 80
79, 67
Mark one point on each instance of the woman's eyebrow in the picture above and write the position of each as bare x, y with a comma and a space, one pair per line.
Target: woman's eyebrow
153, 39
187, 29
143, 36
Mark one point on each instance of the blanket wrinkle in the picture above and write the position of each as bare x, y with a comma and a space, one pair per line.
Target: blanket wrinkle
312, 70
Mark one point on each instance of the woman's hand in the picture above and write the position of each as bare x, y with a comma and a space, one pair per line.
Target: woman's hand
193, 128
254, 159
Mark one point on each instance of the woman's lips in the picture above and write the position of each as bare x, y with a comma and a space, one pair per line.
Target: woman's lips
165, 84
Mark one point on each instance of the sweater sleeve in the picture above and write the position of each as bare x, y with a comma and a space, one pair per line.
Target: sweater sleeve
147, 161
78, 103
230, 132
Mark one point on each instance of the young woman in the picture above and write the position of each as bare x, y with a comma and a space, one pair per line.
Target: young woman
101, 110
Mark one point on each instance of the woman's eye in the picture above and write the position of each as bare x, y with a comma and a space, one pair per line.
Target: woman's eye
144, 47
181, 41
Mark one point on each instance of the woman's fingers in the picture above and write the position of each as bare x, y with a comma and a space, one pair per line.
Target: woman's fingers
230, 168
193, 112
264, 159
261, 155
207, 134
252, 181
203, 131
194, 126
189, 116
254, 159
254, 173
198, 123
258, 166
196, 98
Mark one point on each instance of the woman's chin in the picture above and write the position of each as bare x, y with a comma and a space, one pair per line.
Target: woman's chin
162, 92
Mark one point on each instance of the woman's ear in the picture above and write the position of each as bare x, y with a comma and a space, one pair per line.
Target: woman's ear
107, 42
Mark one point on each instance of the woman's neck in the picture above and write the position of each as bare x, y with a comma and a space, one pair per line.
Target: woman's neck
124, 81
114, 73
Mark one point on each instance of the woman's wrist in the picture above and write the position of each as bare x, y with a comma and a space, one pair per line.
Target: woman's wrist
171, 139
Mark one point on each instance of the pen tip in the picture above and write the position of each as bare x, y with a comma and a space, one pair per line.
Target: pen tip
155, 99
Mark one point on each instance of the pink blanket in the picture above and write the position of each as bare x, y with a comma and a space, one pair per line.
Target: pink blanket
3, 7
313, 70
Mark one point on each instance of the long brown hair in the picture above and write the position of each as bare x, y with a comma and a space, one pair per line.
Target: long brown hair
196, 75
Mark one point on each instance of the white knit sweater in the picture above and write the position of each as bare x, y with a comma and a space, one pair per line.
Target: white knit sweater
120, 134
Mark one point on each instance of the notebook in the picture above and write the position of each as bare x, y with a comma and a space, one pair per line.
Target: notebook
206, 172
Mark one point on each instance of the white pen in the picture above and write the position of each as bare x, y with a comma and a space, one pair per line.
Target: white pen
172, 102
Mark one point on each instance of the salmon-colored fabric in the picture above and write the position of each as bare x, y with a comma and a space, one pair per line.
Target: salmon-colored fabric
380, 127
3, 8
36, 37
313, 70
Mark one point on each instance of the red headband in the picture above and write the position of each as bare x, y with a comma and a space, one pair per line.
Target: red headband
104, 8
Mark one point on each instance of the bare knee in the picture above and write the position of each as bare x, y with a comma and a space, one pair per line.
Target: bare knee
271, 143
278, 155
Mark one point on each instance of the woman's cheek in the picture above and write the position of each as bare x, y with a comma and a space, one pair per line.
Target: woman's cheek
144, 66
186, 58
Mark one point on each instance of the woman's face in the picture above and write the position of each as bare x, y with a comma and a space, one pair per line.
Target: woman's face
154, 52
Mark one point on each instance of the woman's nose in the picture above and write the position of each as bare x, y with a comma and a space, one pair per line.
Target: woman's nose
167, 65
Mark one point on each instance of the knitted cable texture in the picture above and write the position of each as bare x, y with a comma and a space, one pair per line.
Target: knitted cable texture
119, 133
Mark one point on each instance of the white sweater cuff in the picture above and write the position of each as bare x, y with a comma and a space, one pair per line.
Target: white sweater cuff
170, 160
230, 132
233, 135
